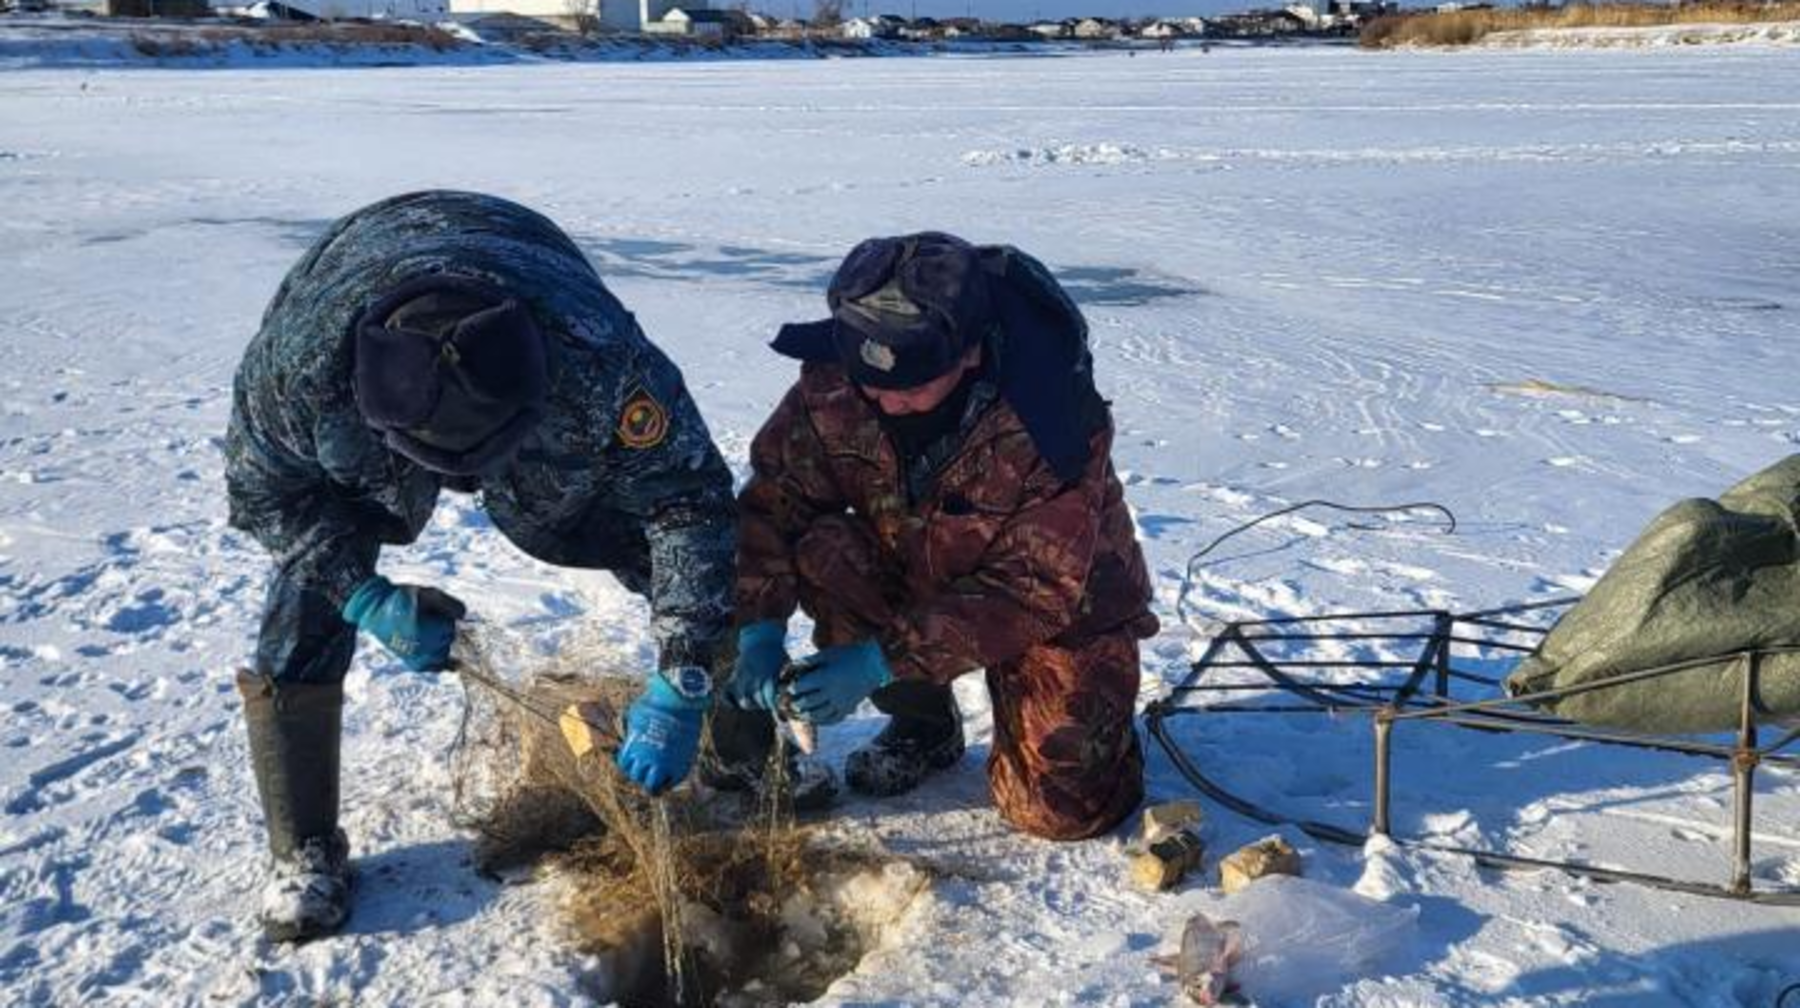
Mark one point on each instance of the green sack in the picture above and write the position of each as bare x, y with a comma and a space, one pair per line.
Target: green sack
1706, 578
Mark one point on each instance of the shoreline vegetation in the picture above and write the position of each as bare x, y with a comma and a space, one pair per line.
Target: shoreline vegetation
1446, 29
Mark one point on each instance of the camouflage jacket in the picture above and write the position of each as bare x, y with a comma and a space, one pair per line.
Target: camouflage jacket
998, 554
319, 489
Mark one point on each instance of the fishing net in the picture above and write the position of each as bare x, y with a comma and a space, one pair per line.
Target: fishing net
695, 898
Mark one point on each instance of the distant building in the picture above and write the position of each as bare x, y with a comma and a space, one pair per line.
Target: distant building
881, 26
1096, 28
1008, 33
922, 29
1053, 29
699, 22
1358, 11
616, 15
1308, 15
961, 27
1257, 23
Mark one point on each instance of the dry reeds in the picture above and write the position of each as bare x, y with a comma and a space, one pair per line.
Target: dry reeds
1465, 27
681, 898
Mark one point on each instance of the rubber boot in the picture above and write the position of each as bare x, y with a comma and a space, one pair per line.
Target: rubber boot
923, 736
295, 732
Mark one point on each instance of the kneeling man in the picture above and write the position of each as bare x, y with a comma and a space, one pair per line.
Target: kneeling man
937, 493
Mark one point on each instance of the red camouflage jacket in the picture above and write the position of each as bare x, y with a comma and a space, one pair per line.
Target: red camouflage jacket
999, 556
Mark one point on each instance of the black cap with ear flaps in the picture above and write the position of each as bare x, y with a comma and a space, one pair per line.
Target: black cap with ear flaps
452, 370
905, 309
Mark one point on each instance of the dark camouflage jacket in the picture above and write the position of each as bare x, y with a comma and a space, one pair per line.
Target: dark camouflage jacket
317, 487
998, 554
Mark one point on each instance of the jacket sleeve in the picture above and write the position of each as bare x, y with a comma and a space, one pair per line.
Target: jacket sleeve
678, 488
284, 498
1027, 589
790, 486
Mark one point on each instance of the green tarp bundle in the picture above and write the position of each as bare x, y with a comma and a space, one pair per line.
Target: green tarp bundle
1706, 578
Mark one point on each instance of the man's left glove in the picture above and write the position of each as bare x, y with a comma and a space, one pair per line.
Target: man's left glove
662, 729
417, 624
837, 679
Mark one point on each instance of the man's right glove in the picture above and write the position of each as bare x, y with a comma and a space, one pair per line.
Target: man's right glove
417, 624
761, 655
662, 733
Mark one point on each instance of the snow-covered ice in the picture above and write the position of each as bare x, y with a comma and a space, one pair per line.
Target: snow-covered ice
1553, 291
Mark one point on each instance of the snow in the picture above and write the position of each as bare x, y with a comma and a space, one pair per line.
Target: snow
1767, 33
1553, 291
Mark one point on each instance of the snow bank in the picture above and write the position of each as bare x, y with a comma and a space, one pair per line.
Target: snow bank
1774, 33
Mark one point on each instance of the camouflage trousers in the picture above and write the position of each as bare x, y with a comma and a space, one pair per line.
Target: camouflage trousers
1065, 763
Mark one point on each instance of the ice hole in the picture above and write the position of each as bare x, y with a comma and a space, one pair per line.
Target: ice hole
693, 899
770, 930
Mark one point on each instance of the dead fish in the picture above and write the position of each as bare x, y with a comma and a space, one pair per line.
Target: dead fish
804, 733
1203, 966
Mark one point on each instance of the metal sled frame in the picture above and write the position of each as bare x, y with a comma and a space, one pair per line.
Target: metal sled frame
1424, 697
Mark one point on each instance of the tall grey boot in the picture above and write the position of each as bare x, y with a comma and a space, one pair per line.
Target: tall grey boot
295, 732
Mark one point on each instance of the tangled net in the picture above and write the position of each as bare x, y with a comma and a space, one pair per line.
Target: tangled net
691, 899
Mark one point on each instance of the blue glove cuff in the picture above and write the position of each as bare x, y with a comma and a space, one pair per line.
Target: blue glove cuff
878, 660
764, 633
366, 597
664, 696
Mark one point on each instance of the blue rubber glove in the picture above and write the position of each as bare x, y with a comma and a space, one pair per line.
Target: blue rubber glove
837, 679
415, 623
761, 655
662, 733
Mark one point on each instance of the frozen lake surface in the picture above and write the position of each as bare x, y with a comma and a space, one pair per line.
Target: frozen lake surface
1552, 291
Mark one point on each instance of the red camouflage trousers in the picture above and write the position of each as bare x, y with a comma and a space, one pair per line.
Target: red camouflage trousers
1065, 762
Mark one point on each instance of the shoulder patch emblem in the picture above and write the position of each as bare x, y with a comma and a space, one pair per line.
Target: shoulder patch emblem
643, 423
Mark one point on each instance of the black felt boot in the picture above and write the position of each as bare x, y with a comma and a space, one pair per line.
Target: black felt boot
923, 735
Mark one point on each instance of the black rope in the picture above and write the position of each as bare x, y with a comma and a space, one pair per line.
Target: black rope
1782, 998
1194, 562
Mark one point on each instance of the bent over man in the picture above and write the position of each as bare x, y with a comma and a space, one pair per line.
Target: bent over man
454, 341
937, 493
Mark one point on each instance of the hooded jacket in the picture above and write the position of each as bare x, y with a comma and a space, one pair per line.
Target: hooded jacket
999, 552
